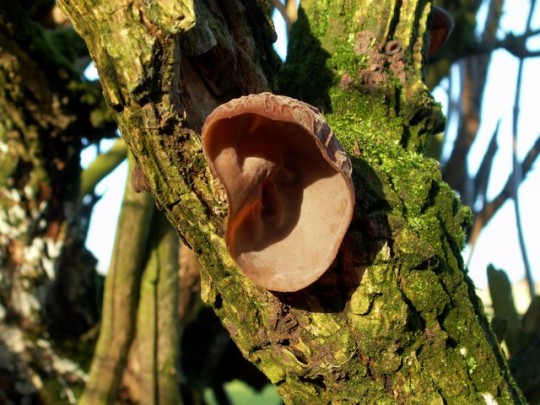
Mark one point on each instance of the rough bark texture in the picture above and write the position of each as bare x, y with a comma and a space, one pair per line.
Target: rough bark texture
36, 164
395, 319
48, 284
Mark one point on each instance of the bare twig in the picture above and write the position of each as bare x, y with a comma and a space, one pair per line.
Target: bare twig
481, 180
473, 77
514, 44
490, 209
481, 183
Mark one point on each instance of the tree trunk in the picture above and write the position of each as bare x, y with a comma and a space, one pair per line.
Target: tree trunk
48, 283
137, 352
395, 319
121, 298
158, 320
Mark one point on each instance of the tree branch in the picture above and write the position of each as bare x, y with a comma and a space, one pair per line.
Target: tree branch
490, 209
104, 164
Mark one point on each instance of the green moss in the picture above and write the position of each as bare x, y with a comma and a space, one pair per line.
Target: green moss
344, 60
425, 292
319, 16
172, 16
363, 118
305, 75
361, 301
383, 312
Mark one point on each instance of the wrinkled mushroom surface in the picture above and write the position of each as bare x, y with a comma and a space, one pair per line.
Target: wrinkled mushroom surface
288, 188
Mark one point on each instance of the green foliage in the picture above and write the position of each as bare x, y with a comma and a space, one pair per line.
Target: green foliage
67, 43
240, 393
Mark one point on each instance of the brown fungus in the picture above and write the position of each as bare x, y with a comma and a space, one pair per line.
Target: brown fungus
139, 182
288, 185
442, 25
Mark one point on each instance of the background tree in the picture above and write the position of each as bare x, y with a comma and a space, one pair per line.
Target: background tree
161, 76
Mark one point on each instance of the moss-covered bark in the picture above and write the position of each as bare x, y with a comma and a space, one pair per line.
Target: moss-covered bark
158, 344
121, 299
48, 284
395, 319
39, 152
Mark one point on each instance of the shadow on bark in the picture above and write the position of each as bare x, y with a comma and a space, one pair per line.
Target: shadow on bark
368, 233
305, 75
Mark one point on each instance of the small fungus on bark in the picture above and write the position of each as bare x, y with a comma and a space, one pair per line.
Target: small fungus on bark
139, 182
442, 25
288, 185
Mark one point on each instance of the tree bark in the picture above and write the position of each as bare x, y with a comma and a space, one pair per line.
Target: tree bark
48, 286
121, 299
395, 319
158, 319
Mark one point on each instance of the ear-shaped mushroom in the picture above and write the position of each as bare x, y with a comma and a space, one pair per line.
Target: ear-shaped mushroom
442, 25
288, 186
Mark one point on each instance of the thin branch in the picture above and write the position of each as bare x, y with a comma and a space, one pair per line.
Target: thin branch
490, 209
103, 165
514, 44
455, 170
481, 179
480, 186
121, 298
473, 75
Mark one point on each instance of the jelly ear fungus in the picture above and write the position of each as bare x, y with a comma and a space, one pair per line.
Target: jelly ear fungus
288, 185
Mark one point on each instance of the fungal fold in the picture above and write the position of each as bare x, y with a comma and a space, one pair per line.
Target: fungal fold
288, 185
